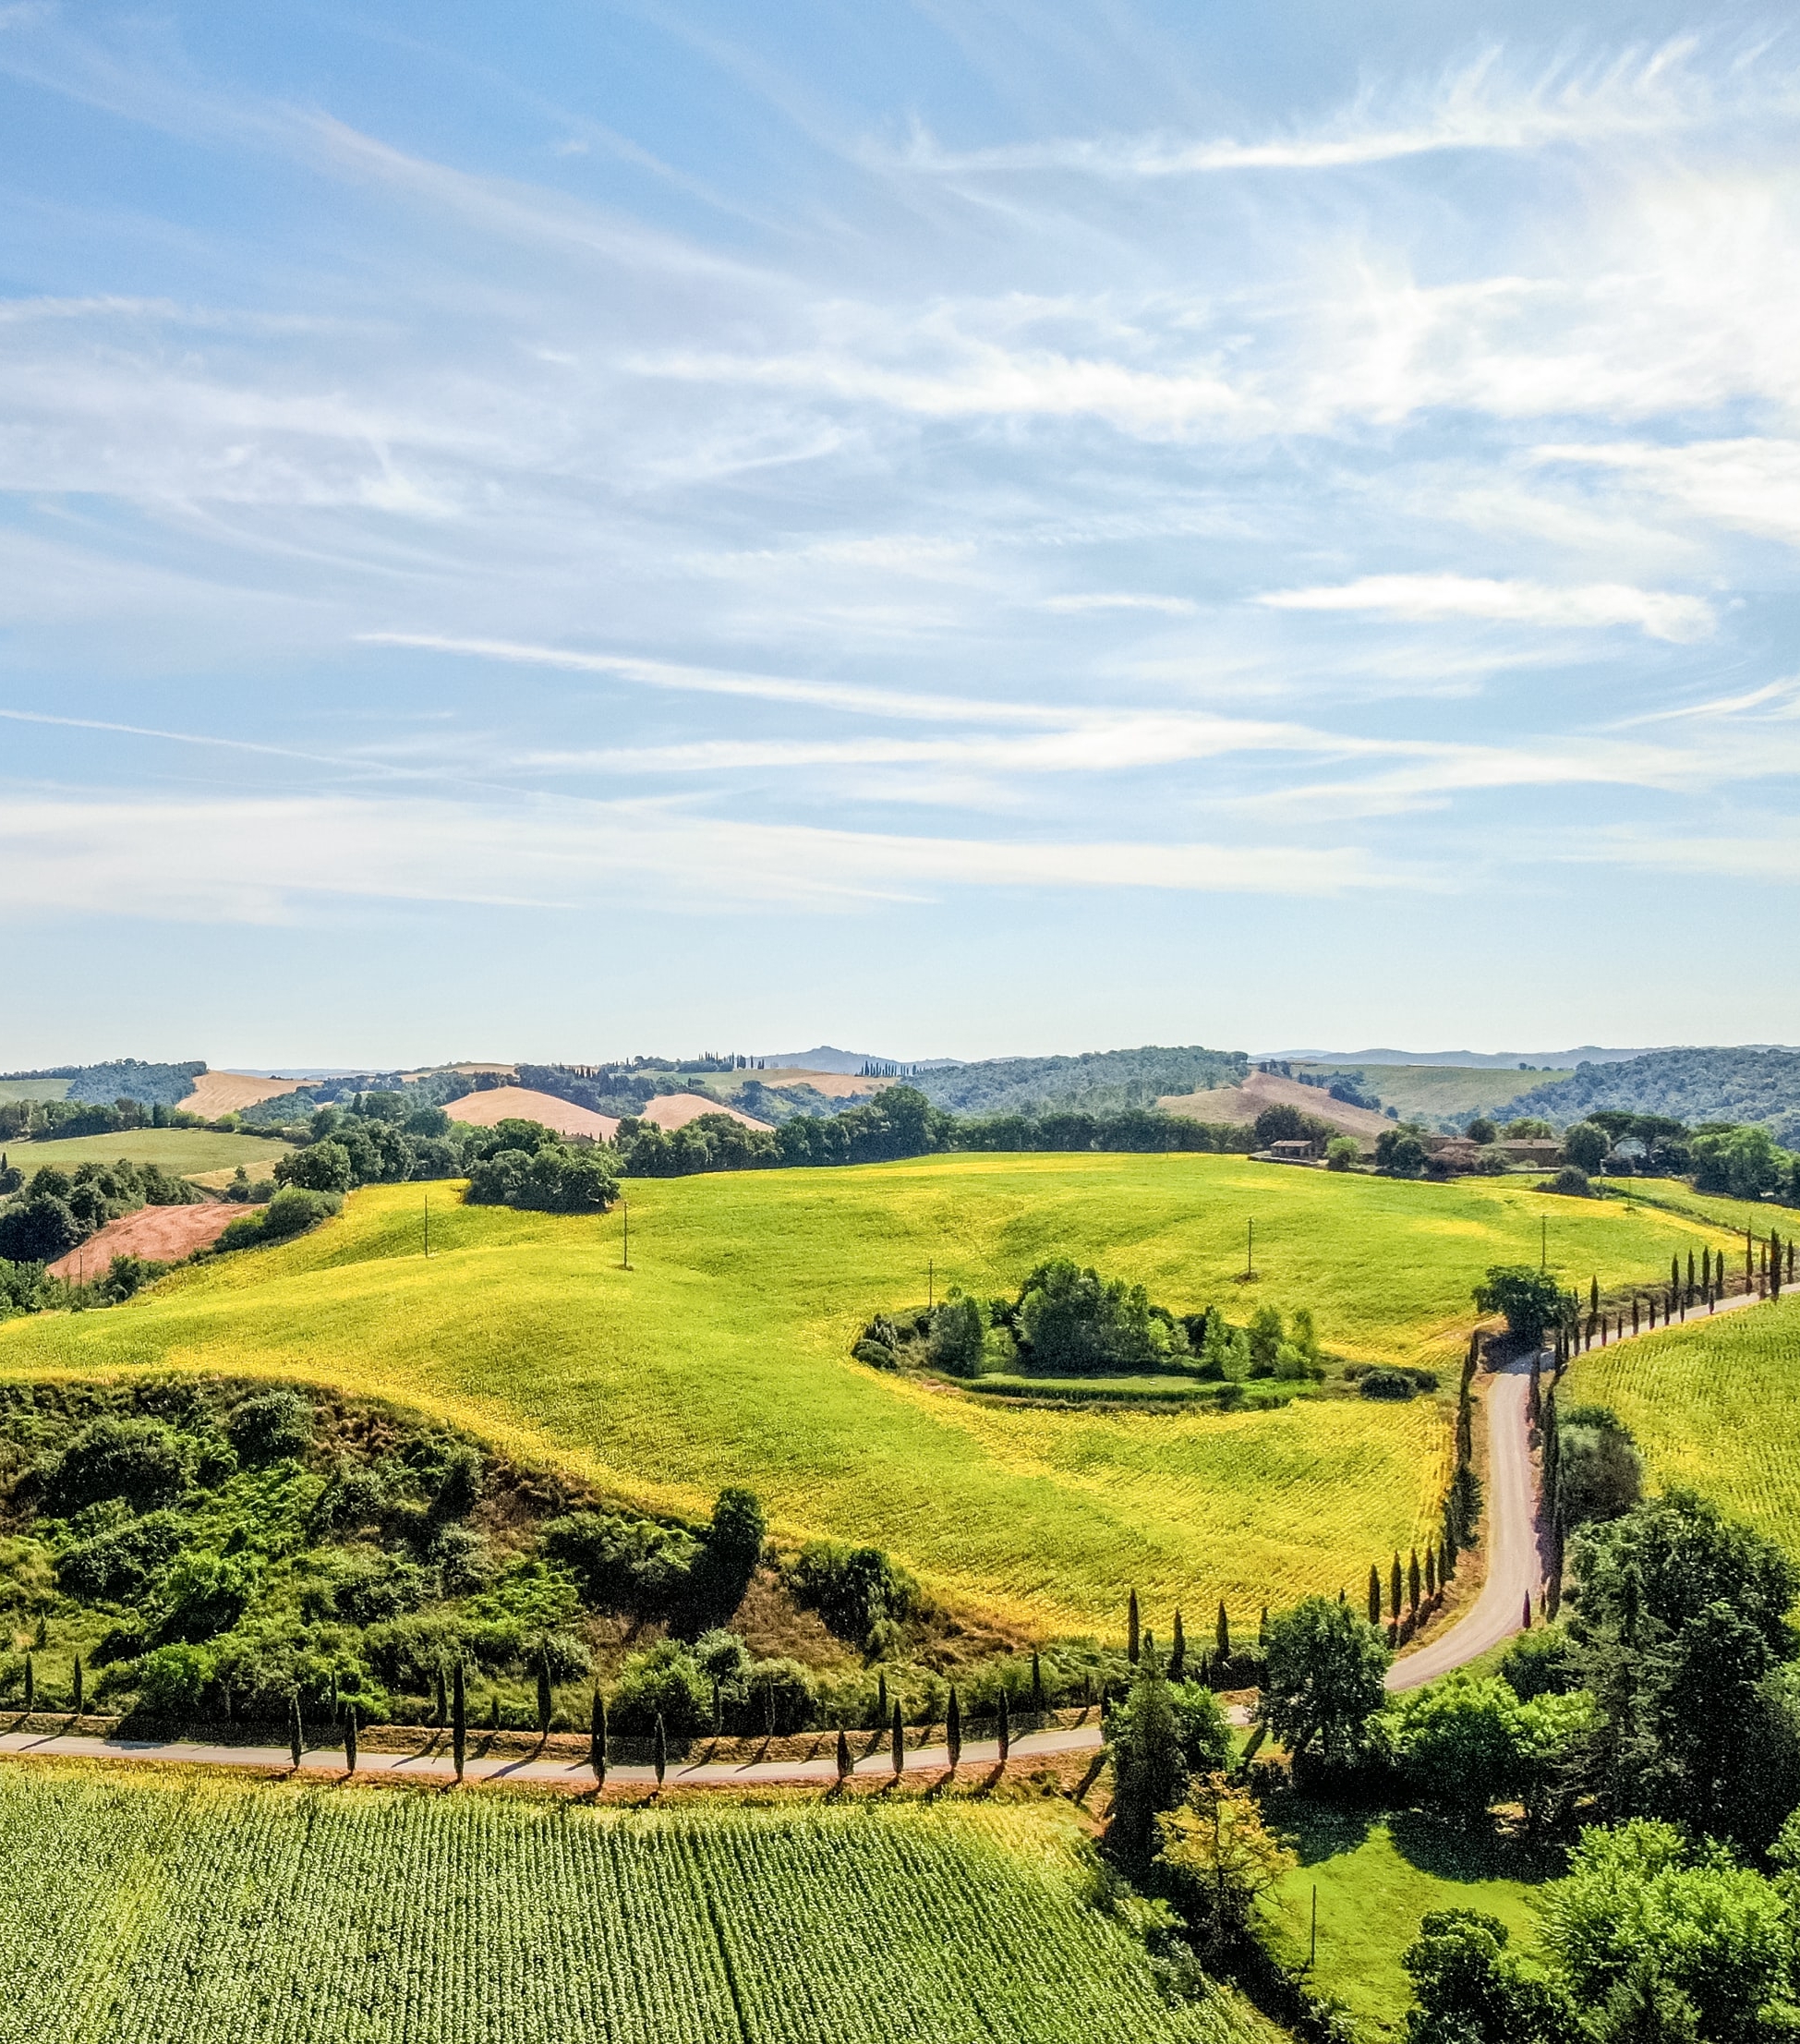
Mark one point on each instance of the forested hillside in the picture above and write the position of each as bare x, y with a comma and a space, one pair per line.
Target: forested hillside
1692, 1086
151, 1085
1100, 1081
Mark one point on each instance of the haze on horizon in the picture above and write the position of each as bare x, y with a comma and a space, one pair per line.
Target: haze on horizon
962, 531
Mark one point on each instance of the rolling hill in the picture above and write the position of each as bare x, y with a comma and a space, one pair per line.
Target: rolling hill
1722, 1083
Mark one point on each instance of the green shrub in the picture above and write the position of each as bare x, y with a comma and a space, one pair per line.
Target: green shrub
172, 1681
142, 1461
1382, 1382
856, 1590
272, 1425
665, 1681
957, 1327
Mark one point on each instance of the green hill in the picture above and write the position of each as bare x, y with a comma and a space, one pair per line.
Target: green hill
1100, 1081
723, 1356
1719, 1084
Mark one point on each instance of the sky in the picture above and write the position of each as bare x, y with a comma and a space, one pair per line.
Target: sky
957, 529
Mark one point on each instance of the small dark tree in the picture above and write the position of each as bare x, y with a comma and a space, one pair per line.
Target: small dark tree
546, 1700
897, 1744
78, 1685
661, 1749
1222, 1633
350, 1738
881, 1699
1593, 1294
1131, 1629
843, 1755
1004, 1728
953, 1728
1374, 1595
295, 1735
1393, 1588
1412, 1583
459, 1717
1774, 1264
1178, 1660
1037, 1674
30, 1684
596, 1738
1690, 1274
1534, 1399
1430, 1572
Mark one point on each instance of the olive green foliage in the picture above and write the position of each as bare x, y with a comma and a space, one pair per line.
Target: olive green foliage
1600, 1473
1343, 1153
1324, 1680
1585, 1147
554, 1178
859, 1592
1471, 1990
214, 1550
293, 1211
1466, 1743
1745, 1163
55, 1210
1651, 1936
1530, 1298
1680, 1630
957, 1327
1071, 1322
252, 1907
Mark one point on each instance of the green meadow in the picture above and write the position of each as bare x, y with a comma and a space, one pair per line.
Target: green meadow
722, 1356
180, 1152
1715, 1405
1434, 1092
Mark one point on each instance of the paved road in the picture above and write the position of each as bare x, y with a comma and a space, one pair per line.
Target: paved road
978, 1757
1514, 1566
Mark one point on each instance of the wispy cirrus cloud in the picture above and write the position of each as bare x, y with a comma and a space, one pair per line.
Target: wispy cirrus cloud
1424, 598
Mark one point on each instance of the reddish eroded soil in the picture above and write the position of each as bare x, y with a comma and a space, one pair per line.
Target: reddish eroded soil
163, 1234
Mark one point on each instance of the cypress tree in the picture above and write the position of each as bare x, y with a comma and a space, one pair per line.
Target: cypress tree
1263, 1626
596, 1738
718, 1708
843, 1754
459, 1718
1528, 1611
1393, 1588
881, 1699
1593, 1296
80, 1680
1004, 1729
953, 1728
493, 1709
1131, 1629
1374, 1595
350, 1738
440, 1709
897, 1744
661, 1749
768, 1710
1675, 1274
1534, 1398
1412, 1582
1178, 1660
295, 1736
1430, 1572
1774, 1264
1224, 1633
30, 1684
1037, 1674
546, 1702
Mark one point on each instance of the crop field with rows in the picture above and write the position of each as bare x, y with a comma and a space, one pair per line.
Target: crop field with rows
722, 1356
158, 1911
1715, 1405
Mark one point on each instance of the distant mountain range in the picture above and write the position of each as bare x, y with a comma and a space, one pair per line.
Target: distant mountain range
1536, 1060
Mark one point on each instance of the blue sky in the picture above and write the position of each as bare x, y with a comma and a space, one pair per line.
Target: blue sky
565, 530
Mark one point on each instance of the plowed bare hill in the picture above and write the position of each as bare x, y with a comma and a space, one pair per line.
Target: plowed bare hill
484, 1110
217, 1093
1264, 1089
165, 1234
675, 1111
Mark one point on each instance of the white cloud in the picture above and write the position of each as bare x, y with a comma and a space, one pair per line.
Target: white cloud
1753, 484
161, 859
1172, 606
1428, 597
1479, 105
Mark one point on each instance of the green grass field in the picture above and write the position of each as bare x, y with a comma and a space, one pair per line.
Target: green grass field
178, 1151
1715, 1406
160, 1911
34, 1089
1376, 1876
1434, 1092
723, 1357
